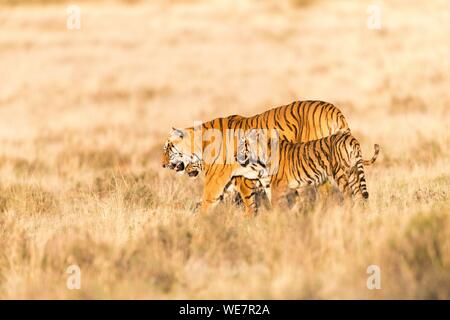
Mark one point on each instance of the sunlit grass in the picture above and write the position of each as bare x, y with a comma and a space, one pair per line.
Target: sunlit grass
84, 114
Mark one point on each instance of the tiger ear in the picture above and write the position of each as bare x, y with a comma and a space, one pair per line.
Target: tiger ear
177, 133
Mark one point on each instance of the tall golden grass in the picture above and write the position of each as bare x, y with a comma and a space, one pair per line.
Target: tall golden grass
84, 114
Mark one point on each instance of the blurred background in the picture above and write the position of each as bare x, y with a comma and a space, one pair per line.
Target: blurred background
144, 66
90, 89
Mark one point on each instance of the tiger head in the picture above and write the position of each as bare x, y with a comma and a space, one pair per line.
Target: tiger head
252, 153
176, 152
179, 152
193, 168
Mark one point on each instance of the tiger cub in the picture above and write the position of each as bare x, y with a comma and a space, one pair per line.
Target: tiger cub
288, 165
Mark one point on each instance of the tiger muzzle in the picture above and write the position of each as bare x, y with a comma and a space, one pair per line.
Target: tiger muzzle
179, 166
168, 165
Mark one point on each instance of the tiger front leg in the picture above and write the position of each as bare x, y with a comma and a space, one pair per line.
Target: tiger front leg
217, 179
278, 196
247, 190
265, 182
212, 193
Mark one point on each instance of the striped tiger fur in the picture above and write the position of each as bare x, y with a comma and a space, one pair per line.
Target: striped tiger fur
337, 157
299, 121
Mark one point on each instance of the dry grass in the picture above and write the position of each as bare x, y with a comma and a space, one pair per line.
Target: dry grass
83, 115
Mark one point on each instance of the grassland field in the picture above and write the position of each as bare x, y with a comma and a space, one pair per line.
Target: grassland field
84, 115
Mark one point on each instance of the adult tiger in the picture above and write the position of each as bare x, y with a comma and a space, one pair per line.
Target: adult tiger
299, 121
286, 165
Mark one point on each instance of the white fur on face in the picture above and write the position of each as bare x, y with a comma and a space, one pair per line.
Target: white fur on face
180, 150
177, 134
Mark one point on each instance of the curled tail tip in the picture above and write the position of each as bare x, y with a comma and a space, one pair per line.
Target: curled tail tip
375, 156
